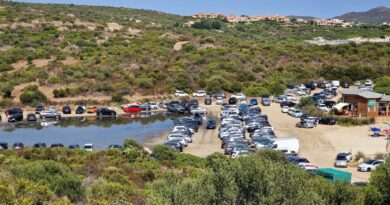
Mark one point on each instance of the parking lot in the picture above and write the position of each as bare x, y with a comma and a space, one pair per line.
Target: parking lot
319, 145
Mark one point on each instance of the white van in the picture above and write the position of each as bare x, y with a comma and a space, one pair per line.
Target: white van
287, 145
335, 83
88, 147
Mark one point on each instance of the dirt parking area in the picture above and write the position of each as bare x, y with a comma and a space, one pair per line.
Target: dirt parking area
319, 145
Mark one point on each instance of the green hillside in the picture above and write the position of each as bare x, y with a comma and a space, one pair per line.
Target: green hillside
122, 51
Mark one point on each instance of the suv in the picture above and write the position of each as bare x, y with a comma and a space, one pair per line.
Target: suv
49, 114
66, 109
341, 160
16, 117
39, 108
175, 108
105, 112
207, 100
232, 101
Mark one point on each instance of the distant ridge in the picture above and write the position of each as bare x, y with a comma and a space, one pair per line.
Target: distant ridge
374, 16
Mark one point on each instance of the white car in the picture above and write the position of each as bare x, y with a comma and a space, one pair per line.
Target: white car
368, 82
181, 127
239, 96
301, 93
200, 110
370, 165
285, 109
219, 101
199, 93
180, 138
296, 113
153, 105
291, 97
323, 107
179, 93
88, 147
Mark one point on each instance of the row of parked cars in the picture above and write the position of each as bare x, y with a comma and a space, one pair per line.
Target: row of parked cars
16, 114
343, 158
88, 147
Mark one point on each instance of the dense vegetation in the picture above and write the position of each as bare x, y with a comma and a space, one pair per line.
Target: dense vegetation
130, 175
138, 56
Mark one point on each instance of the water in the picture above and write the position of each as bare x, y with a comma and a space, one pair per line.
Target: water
100, 132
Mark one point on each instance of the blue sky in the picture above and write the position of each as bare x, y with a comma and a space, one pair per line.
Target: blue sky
318, 8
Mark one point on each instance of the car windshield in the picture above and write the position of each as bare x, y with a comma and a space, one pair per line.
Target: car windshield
370, 161
341, 157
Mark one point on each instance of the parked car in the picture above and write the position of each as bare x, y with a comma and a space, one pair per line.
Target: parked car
3, 145
291, 97
66, 109
17, 117
199, 93
52, 108
232, 101
175, 144
40, 145
163, 105
13, 111
219, 94
49, 114
39, 108
74, 146
179, 93
296, 113
18, 145
219, 101
327, 121
211, 124
92, 109
239, 96
88, 147
341, 160
285, 109
55, 145
132, 109
345, 84
208, 100
153, 105
175, 108
80, 109
253, 101
265, 101
145, 107
370, 165
305, 124
31, 117
287, 103
105, 112
357, 83
115, 146
323, 107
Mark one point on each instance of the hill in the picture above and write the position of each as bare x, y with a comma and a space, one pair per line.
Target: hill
374, 16
77, 53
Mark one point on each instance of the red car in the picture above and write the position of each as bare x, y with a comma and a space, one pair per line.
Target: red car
132, 108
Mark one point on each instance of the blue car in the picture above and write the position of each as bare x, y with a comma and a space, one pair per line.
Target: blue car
253, 101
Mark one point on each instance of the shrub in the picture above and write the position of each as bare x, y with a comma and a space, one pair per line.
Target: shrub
359, 155
32, 95
131, 143
102, 192
58, 178
164, 153
117, 97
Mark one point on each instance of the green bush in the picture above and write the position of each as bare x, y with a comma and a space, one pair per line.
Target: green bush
163, 153
59, 178
31, 95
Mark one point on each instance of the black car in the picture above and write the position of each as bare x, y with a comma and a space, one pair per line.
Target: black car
15, 117
219, 94
174, 144
31, 117
327, 121
115, 146
13, 111
3, 145
66, 109
56, 145
73, 146
345, 84
18, 145
310, 86
232, 101
175, 108
287, 103
329, 103
40, 145
208, 101
39, 108
211, 124
105, 112
198, 118
80, 109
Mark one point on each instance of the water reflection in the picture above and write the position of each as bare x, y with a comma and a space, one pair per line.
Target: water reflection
99, 131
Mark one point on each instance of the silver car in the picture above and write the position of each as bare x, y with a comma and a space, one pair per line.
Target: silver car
341, 161
49, 114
